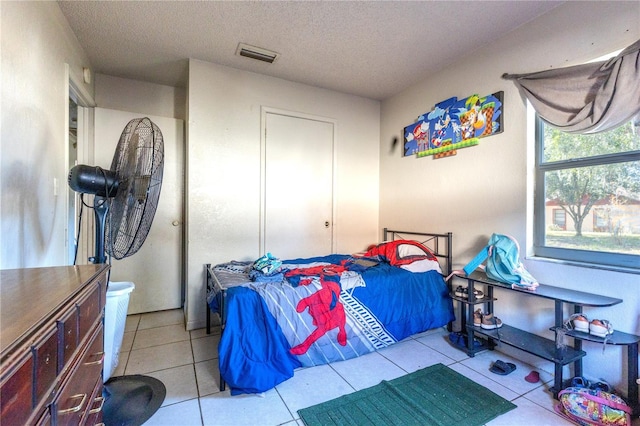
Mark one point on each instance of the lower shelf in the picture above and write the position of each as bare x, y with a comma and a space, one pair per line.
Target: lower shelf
531, 343
617, 338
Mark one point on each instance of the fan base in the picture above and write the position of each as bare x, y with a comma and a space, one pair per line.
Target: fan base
131, 400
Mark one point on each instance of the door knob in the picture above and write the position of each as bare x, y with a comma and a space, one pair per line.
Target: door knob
175, 223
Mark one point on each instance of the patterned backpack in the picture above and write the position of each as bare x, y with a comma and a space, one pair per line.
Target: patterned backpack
593, 407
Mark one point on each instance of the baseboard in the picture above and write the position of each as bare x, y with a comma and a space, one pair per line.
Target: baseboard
202, 323
194, 325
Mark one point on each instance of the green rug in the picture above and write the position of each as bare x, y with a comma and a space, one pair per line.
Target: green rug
435, 395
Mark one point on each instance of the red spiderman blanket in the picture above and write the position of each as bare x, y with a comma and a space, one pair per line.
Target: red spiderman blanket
324, 305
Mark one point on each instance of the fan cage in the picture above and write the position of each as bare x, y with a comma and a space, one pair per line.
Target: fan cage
138, 163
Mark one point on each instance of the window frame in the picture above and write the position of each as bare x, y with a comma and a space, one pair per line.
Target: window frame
627, 262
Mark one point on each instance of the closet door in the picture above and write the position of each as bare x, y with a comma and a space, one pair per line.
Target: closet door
298, 186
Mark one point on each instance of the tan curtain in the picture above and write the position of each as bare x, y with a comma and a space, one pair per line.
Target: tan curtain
587, 98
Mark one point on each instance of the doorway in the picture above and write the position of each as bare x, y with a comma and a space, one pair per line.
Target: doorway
156, 269
79, 231
72, 200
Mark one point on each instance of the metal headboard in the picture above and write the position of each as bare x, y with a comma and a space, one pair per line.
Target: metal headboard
439, 244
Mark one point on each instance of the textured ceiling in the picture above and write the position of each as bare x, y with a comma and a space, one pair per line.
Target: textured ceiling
372, 49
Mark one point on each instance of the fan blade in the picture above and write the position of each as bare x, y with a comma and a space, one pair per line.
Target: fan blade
141, 188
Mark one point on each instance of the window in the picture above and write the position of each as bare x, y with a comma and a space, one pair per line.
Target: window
587, 206
600, 220
560, 219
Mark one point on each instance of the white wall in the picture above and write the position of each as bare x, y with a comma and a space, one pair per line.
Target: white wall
223, 161
139, 96
36, 44
484, 189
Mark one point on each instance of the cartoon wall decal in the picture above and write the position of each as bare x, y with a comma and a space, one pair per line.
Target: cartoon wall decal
454, 124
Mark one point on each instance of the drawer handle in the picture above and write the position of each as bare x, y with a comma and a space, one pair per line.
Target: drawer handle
97, 410
77, 407
101, 355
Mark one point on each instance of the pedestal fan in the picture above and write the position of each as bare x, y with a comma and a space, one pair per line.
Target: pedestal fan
125, 201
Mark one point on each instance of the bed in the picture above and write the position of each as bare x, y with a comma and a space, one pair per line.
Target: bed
305, 312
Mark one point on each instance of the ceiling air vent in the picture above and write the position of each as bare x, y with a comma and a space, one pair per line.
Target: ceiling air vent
257, 53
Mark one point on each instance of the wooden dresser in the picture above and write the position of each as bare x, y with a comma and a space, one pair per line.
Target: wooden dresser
51, 345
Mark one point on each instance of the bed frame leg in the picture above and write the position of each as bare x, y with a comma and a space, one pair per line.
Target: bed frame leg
206, 286
207, 279
208, 319
449, 241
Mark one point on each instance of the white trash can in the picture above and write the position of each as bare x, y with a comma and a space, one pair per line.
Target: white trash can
115, 317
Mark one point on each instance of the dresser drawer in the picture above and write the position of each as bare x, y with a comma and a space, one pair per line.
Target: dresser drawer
68, 328
94, 415
45, 362
76, 394
89, 309
16, 392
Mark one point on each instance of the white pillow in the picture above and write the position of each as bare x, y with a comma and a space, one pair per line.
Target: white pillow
408, 250
422, 266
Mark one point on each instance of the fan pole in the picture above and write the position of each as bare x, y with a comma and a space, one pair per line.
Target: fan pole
100, 209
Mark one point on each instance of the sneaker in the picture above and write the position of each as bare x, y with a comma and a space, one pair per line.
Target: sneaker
578, 322
490, 322
463, 292
456, 338
460, 340
580, 382
602, 386
477, 318
478, 294
600, 328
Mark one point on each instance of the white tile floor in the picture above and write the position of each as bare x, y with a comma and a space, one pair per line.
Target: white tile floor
156, 344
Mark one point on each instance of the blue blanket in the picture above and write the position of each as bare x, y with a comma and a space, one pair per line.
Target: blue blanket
327, 310
254, 355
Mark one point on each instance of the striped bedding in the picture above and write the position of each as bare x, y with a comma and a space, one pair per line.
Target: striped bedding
326, 309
